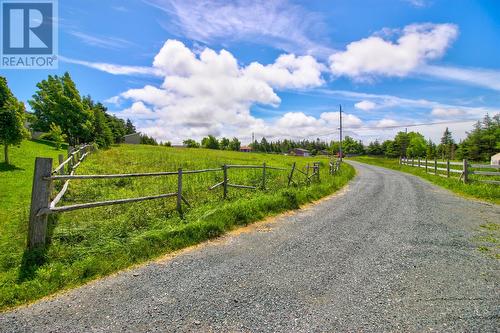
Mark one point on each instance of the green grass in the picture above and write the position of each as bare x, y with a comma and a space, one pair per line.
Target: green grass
90, 243
486, 192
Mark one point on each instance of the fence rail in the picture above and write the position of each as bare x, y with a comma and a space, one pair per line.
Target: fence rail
464, 170
43, 183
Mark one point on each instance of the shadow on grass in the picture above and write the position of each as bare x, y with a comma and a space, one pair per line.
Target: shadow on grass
4, 167
36, 258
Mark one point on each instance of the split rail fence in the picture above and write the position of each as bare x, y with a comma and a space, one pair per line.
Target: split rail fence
462, 170
45, 177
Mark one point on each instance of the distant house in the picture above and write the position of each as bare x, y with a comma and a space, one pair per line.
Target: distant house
495, 159
246, 149
324, 152
133, 139
299, 152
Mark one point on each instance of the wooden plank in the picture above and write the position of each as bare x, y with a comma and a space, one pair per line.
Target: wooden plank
40, 197
242, 186
485, 173
496, 182
216, 185
103, 203
484, 166
179, 192
291, 173
61, 165
225, 181
131, 175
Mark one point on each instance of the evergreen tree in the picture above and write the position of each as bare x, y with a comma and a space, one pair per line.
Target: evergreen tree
129, 127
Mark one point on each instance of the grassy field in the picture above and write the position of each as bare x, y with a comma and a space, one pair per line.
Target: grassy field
90, 243
486, 192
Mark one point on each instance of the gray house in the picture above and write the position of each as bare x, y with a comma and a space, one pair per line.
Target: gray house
495, 159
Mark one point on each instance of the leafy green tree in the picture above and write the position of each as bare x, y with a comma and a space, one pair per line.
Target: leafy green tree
210, 142
55, 134
352, 147
483, 141
12, 117
148, 140
391, 149
417, 145
235, 144
101, 131
190, 143
224, 143
400, 143
374, 148
58, 101
117, 127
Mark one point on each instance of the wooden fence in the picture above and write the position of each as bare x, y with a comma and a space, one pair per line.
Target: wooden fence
44, 178
462, 170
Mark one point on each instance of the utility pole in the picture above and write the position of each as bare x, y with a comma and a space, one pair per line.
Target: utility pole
340, 144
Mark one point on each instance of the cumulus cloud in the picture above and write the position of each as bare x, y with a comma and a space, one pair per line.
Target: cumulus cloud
365, 105
374, 56
209, 93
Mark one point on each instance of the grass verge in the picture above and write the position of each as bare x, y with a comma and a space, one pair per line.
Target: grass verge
486, 192
91, 243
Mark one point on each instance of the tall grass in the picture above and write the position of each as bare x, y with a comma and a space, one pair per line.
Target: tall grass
90, 243
487, 192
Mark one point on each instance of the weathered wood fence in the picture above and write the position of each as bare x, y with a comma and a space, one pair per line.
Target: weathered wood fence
44, 178
462, 170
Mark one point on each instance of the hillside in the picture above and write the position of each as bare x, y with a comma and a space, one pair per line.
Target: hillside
90, 243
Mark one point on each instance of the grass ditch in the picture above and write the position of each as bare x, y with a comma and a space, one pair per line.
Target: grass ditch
88, 244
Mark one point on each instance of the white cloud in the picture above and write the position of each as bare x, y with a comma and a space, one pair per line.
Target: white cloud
386, 122
112, 68
447, 112
277, 23
418, 3
475, 76
102, 41
209, 93
374, 56
365, 105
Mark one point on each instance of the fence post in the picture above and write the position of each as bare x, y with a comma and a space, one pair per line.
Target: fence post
413, 161
264, 176
40, 199
179, 192
466, 171
317, 170
224, 168
307, 173
435, 166
448, 168
426, 164
291, 173
419, 162
61, 160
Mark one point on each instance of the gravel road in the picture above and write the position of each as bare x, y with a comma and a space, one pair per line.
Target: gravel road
389, 253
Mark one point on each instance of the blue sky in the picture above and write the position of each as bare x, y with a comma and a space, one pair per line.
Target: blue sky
286, 67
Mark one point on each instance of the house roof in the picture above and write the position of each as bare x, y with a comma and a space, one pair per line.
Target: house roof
127, 135
301, 149
245, 147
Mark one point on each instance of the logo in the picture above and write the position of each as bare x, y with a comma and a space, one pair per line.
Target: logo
29, 34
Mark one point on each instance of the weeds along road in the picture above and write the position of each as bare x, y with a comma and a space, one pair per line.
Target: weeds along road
390, 253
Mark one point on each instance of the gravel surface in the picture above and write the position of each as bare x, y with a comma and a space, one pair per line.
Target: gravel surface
390, 253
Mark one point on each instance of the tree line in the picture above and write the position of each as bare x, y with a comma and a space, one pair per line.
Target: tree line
479, 145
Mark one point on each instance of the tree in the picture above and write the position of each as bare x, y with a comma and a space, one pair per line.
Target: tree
235, 144
58, 101
400, 143
483, 141
101, 131
55, 134
210, 142
417, 145
447, 146
190, 143
129, 127
12, 116
431, 151
117, 127
148, 140
374, 148
224, 144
